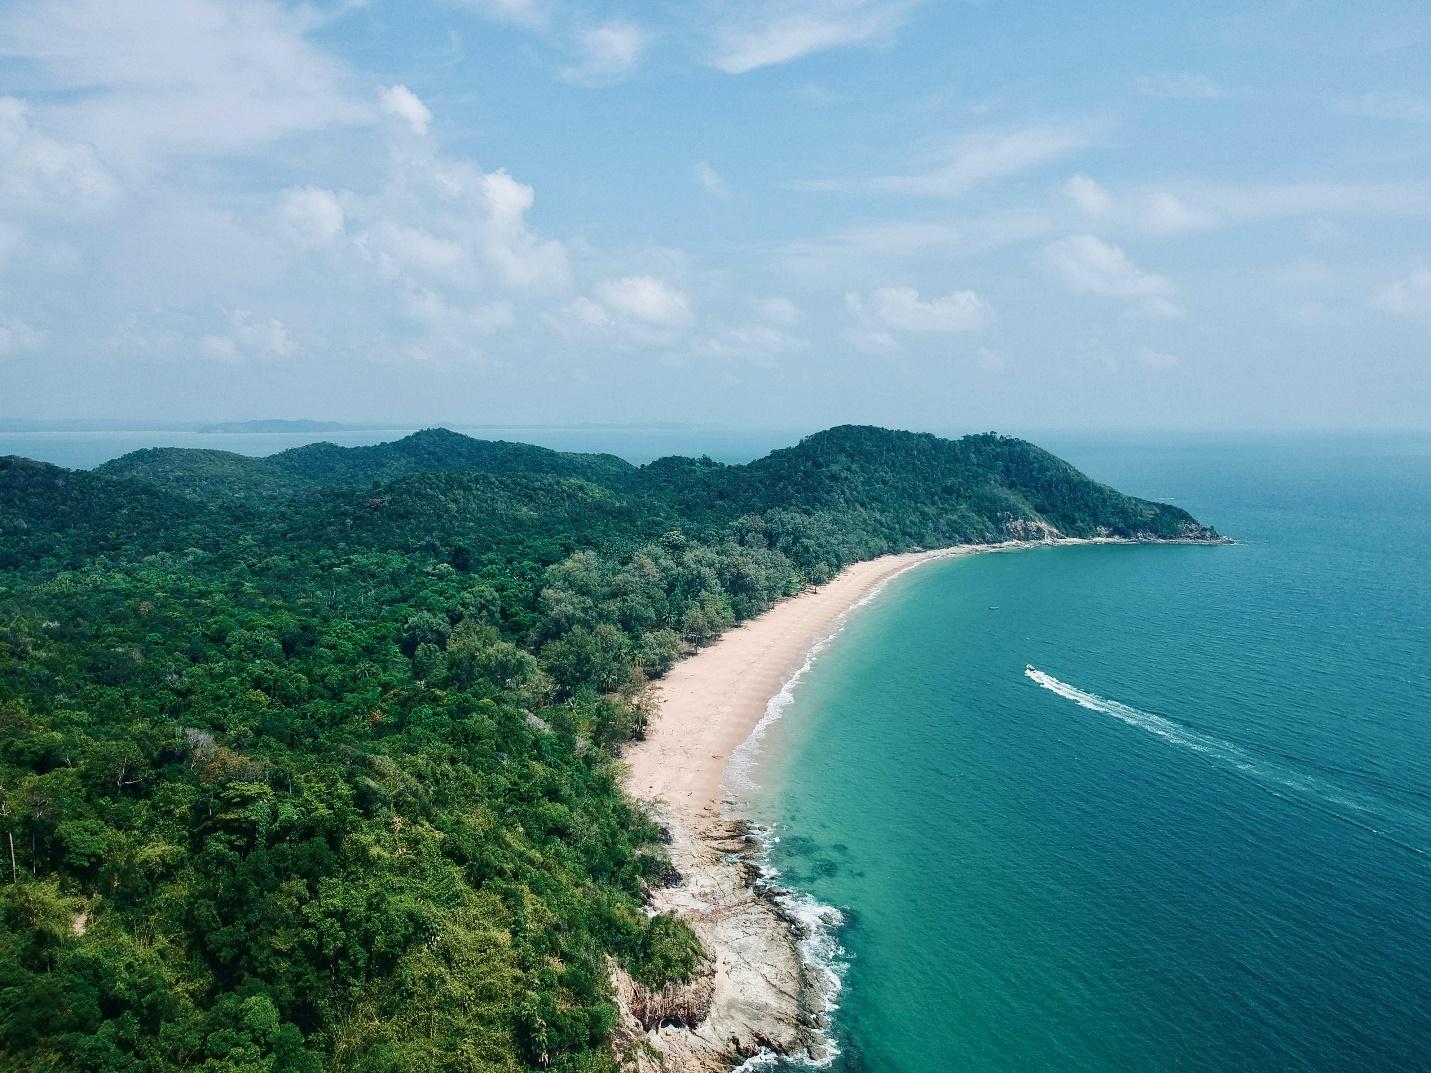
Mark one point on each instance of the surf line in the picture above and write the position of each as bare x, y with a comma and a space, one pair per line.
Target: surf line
1309, 790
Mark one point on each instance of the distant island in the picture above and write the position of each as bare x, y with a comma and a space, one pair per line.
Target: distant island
279, 425
319, 761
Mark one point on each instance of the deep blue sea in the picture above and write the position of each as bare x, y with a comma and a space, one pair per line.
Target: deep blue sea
1195, 837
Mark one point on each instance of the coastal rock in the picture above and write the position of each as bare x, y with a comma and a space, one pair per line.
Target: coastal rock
1031, 530
753, 994
686, 1004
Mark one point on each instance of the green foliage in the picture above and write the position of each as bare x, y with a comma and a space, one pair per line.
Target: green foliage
310, 762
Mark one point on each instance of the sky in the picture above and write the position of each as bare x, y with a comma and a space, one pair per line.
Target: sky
983, 215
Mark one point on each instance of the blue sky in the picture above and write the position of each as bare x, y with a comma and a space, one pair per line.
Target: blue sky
798, 212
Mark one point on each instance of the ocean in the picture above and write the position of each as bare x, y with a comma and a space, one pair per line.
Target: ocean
1135, 808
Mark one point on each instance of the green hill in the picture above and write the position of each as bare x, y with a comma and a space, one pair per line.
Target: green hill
223, 475
311, 762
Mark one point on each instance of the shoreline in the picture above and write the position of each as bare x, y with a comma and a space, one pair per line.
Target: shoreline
758, 992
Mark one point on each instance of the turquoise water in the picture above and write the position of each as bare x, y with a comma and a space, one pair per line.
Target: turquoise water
1195, 839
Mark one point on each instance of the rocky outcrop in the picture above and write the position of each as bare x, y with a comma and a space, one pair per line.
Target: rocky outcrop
1029, 529
754, 993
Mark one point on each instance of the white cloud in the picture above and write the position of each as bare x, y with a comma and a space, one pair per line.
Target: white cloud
590, 313
1088, 195
406, 105
1410, 296
139, 80
440, 221
1163, 213
1183, 87
432, 309
762, 33
17, 337
607, 53
43, 173
754, 340
1394, 105
901, 309
399, 248
973, 161
645, 299
1091, 266
1229, 204
1159, 212
310, 216
267, 338
248, 336
1203, 206
711, 181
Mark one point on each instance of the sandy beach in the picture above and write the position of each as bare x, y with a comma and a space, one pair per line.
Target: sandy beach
757, 993
712, 701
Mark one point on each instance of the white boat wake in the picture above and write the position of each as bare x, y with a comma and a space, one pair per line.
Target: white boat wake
1304, 788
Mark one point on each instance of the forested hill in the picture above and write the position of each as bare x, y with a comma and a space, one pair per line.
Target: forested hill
310, 762
921, 488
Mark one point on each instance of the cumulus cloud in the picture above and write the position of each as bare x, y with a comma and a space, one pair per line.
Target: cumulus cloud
248, 336
607, 53
1088, 195
973, 161
1162, 213
901, 309
446, 222
404, 104
310, 216
39, 172
645, 299
763, 33
1091, 266
711, 181
1410, 296
643, 310
1182, 87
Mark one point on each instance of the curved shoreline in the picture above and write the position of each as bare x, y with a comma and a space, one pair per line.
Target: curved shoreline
758, 993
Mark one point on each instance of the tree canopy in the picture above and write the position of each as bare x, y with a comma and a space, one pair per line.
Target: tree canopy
311, 762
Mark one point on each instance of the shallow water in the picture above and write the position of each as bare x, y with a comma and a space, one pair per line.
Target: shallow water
1136, 808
